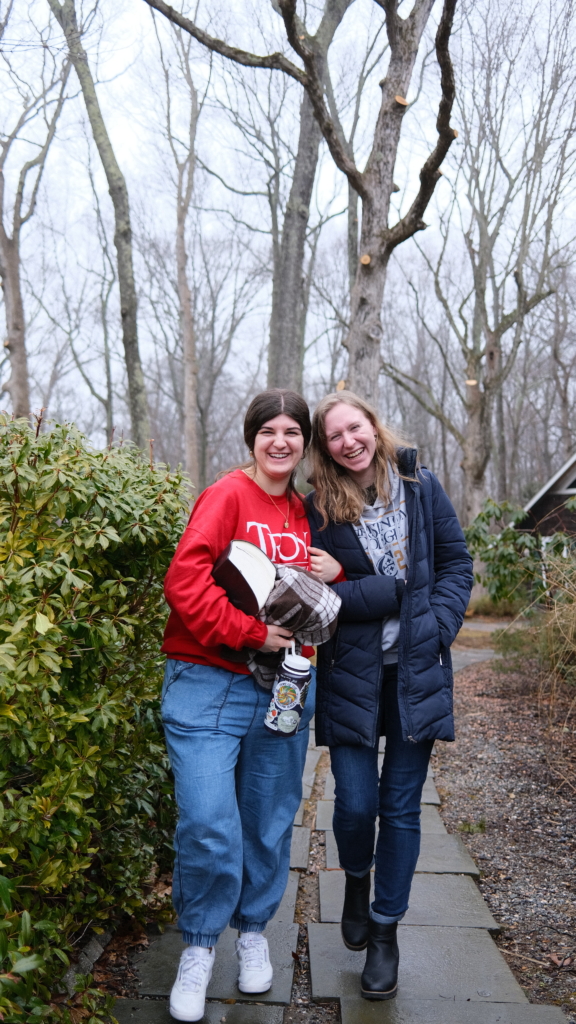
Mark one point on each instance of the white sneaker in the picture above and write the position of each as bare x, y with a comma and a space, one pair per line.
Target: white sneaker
188, 993
255, 967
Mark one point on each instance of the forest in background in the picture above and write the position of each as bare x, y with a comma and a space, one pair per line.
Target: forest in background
180, 229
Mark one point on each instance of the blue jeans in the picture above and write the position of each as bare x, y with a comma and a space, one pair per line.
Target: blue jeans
238, 788
361, 796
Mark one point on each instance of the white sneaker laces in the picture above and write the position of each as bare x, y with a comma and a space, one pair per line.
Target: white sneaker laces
253, 953
193, 970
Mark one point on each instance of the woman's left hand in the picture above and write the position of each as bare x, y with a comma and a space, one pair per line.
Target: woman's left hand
323, 565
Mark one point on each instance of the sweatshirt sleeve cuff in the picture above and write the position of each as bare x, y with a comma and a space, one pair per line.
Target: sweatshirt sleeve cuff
257, 636
341, 577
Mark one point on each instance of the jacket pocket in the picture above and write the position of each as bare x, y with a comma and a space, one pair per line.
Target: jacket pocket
446, 662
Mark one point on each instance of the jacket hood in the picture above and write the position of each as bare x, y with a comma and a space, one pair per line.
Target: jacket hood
408, 461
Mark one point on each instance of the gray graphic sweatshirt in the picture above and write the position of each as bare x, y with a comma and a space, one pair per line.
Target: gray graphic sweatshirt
383, 533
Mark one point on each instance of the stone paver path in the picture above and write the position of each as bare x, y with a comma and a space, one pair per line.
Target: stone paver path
461, 659
451, 971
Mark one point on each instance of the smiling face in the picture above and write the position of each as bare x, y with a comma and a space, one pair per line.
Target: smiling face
351, 441
278, 448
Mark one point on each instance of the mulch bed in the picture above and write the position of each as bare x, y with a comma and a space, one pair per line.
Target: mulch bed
508, 787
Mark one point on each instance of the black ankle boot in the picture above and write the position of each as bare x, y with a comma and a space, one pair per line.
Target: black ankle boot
380, 975
356, 911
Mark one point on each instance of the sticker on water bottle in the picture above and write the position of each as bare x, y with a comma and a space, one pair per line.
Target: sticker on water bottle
287, 696
288, 721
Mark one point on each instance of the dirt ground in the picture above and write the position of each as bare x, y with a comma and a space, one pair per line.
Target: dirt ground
508, 786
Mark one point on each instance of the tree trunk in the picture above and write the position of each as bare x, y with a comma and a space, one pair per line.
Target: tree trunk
363, 341
476, 451
66, 16
352, 238
377, 241
286, 351
17, 386
501, 447
189, 351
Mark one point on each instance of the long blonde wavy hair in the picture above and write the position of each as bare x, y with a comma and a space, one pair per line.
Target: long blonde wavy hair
338, 497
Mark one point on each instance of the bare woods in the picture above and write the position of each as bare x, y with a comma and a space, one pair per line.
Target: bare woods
200, 200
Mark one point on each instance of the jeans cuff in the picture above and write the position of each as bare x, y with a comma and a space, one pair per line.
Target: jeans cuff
247, 926
359, 874
383, 918
199, 939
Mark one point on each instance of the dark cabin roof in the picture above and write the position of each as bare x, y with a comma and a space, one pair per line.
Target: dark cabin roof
546, 511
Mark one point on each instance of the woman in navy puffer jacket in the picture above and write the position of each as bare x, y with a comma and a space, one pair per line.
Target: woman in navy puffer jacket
386, 537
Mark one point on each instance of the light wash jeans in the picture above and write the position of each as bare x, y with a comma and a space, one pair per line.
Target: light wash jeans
238, 788
360, 796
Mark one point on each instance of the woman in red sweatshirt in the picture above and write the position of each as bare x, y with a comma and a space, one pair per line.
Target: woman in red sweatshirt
238, 786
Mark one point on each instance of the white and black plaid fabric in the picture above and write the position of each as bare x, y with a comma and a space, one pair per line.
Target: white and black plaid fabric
306, 606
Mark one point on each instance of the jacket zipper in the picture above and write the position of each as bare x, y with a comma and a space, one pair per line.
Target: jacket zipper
406, 605
372, 572
334, 648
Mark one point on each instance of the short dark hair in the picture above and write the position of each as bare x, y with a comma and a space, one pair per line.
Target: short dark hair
269, 404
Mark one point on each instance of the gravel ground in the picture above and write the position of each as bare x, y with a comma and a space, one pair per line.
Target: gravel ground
507, 786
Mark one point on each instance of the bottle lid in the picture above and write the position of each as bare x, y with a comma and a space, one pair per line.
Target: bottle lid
295, 661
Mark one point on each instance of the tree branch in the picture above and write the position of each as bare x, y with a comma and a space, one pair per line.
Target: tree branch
272, 61
313, 83
39, 160
430, 173
401, 378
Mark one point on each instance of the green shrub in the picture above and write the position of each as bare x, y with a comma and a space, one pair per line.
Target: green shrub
512, 559
535, 577
86, 806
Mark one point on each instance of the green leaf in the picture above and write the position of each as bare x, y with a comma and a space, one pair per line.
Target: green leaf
7, 711
5, 892
28, 963
43, 623
25, 929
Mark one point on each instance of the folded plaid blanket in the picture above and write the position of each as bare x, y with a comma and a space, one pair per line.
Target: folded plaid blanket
306, 606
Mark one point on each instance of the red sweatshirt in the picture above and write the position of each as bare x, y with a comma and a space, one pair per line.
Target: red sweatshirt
201, 616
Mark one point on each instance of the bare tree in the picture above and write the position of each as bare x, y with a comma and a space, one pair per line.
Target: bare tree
375, 184
225, 284
510, 191
66, 16
183, 151
563, 361
287, 322
259, 115
33, 128
78, 309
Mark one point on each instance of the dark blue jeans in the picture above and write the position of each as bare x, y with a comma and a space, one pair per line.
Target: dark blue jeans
395, 797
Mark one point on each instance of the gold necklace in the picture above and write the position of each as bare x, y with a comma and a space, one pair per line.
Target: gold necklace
286, 523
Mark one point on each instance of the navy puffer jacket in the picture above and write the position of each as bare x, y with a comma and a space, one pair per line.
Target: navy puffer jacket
432, 607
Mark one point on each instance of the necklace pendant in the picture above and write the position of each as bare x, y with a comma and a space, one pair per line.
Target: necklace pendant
286, 525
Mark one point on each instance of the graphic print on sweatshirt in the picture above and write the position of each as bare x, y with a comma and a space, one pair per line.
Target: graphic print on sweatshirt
281, 548
383, 533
